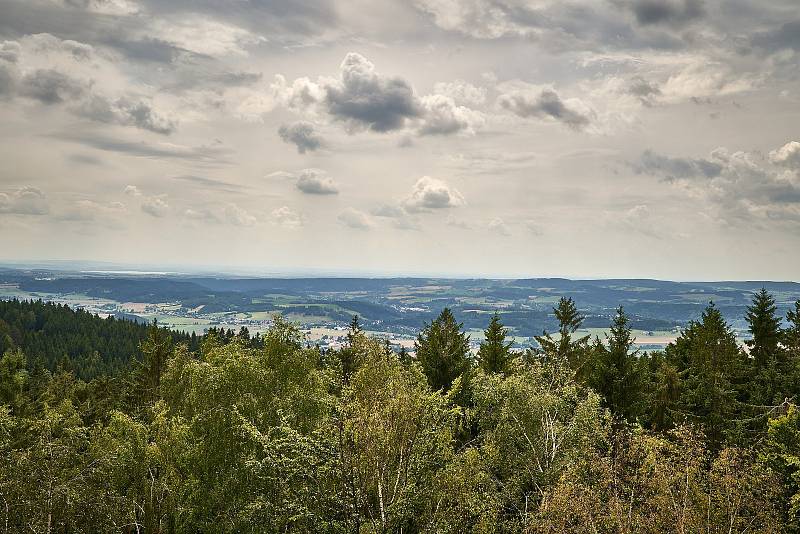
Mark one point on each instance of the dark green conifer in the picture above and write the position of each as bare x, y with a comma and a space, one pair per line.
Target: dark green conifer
494, 353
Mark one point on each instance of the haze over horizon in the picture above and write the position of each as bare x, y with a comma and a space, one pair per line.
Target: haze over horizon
487, 138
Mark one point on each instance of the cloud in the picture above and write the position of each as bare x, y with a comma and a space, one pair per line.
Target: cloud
527, 102
534, 227
203, 36
213, 154
126, 112
132, 191
442, 116
784, 37
677, 168
208, 183
498, 226
200, 214
302, 134
286, 217
316, 182
155, 206
10, 51
740, 186
354, 218
431, 194
360, 97
645, 91
676, 12
388, 211
462, 93
90, 210
638, 219
24, 201
365, 99
50, 86
787, 156
238, 216
45, 42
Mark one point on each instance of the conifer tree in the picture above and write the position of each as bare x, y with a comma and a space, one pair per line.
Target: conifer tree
765, 329
615, 372
156, 348
443, 350
495, 353
573, 353
710, 362
348, 354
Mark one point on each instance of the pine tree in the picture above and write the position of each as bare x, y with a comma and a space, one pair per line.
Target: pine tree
443, 350
614, 370
494, 353
572, 353
765, 328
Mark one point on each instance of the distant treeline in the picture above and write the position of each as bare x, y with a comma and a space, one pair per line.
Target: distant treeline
267, 434
54, 335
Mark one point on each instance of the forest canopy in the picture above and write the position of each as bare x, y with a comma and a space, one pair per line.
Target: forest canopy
112, 426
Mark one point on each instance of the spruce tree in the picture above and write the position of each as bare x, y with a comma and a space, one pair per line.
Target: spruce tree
615, 372
791, 352
348, 355
564, 349
443, 351
709, 361
156, 348
495, 353
765, 329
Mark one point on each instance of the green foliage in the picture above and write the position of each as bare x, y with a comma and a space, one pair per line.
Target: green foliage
494, 353
54, 333
614, 370
710, 363
271, 436
569, 352
765, 327
442, 351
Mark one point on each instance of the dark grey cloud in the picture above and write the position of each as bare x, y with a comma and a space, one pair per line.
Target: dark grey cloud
146, 49
785, 36
301, 134
667, 11
671, 168
7, 79
544, 104
740, 186
316, 182
647, 92
126, 112
365, 99
51, 86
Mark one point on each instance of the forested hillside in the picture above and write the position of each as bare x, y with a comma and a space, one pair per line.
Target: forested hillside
53, 335
273, 435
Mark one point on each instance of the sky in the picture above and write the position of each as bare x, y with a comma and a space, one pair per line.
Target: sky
505, 138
